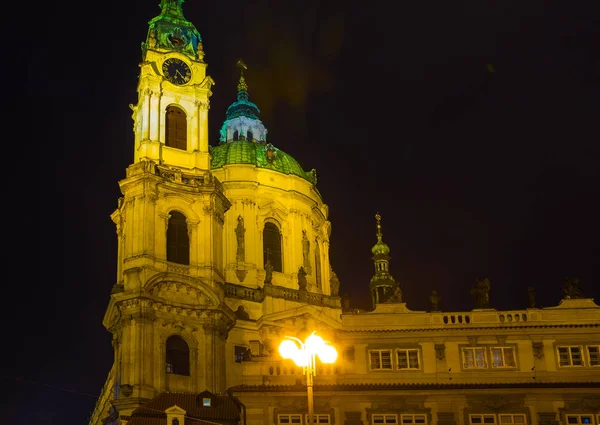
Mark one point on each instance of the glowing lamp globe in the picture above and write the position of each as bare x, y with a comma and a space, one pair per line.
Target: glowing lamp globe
288, 349
328, 354
300, 357
314, 344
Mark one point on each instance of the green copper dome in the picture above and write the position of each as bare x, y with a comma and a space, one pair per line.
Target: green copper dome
243, 139
260, 155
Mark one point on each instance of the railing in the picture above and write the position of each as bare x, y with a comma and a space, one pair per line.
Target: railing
258, 294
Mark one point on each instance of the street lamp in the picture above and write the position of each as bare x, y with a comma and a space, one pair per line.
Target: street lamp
304, 354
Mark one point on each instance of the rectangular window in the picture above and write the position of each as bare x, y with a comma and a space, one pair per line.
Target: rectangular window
594, 355
482, 419
474, 358
570, 356
289, 419
580, 419
318, 419
512, 419
413, 419
503, 357
384, 419
408, 359
380, 359
241, 353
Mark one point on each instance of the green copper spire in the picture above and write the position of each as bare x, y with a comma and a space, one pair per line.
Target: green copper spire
171, 31
242, 86
383, 287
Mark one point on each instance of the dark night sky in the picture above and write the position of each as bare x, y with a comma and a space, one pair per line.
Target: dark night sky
475, 173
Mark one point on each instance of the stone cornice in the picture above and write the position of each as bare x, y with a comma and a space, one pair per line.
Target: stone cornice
412, 387
473, 328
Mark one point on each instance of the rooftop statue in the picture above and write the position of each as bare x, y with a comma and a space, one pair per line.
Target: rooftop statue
481, 293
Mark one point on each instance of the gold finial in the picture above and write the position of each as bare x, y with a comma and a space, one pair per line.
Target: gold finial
242, 86
378, 218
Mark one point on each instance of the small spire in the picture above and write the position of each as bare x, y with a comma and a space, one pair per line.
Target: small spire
242, 86
378, 218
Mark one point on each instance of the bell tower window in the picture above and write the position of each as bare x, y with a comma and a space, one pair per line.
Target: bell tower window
249, 136
178, 356
178, 241
236, 135
176, 130
272, 246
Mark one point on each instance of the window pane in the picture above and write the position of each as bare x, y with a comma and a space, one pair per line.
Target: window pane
475, 419
468, 360
386, 360
375, 361
576, 356
586, 419
572, 419
594, 354
479, 357
489, 419
402, 360
509, 357
563, 356
497, 359
413, 357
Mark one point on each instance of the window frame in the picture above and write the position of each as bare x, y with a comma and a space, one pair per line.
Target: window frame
289, 416
279, 250
504, 365
380, 351
407, 350
592, 416
474, 349
384, 416
413, 417
569, 348
482, 416
317, 416
589, 360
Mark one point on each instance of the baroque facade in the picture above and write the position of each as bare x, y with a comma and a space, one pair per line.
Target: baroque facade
223, 251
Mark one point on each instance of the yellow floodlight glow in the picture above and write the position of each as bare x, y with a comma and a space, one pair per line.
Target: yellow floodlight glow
328, 354
314, 344
301, 358
288, 349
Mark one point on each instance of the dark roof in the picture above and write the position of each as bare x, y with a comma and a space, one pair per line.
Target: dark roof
407, 386
224, 409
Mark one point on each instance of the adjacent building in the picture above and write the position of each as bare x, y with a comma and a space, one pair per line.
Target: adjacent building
223, 251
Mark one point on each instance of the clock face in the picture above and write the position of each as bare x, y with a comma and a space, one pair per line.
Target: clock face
176, 71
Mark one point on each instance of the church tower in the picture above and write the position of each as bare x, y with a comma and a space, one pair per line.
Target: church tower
383, 287
219, 247
166, 313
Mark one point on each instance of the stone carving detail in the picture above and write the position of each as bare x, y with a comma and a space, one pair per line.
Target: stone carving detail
268, 273
435, 299
334, 283
126, 389
393, 295
440, 351
241, 313
239, 235
571, 288
306, 252
302, 283
481, 293
241, 274
538, 349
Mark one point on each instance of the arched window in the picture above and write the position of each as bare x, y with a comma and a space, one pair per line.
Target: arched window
178, 356
176, 131
272, 246
175, 421
249, 136
178, 241
318, 265
236, 135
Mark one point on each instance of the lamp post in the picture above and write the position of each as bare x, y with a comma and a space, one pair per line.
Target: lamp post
305, 354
